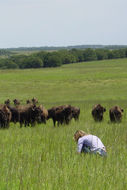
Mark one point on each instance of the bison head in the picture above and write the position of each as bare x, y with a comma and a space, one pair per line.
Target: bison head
36, 113
34, 101
28, 102
16, 102
7, 102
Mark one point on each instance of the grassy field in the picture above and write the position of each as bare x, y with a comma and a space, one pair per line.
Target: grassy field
44, 157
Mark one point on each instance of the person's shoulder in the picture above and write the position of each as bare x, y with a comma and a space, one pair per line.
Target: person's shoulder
82, 138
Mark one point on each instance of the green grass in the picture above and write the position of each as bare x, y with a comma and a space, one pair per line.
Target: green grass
44, 157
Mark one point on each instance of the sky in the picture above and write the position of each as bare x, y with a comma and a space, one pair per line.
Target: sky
35, 23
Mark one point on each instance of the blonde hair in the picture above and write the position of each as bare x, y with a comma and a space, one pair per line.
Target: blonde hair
78, 134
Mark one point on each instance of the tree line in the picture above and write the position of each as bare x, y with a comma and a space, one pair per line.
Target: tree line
44, 59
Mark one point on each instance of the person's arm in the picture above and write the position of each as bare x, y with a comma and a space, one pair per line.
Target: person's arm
79, 147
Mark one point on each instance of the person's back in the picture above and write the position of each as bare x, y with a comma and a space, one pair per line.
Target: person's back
89, 143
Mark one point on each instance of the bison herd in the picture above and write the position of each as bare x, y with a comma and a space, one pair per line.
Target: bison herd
32, 113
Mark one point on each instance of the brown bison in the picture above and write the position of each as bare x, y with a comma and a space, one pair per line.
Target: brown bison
115, 114
5, 116
15, 114
44, 114
52, 114
3, 119
97, 112
75, 112
61, 114
29, 115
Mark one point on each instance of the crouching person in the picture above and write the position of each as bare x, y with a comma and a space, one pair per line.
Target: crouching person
88, 143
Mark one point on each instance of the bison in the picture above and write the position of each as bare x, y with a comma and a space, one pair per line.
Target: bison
97, 112
115, 114
75, 112
15, 114
54, 113
5, 116
44, 114
29, 115
61, 114
3, 119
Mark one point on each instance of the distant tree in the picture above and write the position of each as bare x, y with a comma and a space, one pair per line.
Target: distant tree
18, 59
70, 58
8, 64
101, 54
78, 54
89, 55
110, 54
126, 52
52, 60
31, 62
11, 65
122, 53
41, 55
67, 56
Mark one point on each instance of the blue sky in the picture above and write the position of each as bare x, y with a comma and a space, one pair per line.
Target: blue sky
28, 23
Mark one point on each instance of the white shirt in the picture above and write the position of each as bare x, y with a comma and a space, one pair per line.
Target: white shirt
91, 141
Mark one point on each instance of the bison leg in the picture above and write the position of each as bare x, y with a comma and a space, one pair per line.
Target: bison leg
21, 124
54, 122
58, 123
44, 121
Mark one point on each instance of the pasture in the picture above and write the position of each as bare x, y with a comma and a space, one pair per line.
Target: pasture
44, 157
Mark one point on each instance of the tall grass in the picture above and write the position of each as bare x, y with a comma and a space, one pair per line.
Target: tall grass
44, 157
